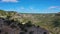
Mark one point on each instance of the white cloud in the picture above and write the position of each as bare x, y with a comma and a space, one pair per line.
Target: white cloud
28, 9
31, 8
54, 7
9, 0
22, 8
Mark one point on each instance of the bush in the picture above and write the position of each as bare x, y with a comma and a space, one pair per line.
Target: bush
7, 22
31, 32
22, 32
29, 24
6, 32
13, 26
0, 31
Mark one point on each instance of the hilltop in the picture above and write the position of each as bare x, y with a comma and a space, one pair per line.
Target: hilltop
43, 20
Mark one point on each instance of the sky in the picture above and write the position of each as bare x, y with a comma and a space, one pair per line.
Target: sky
31, 6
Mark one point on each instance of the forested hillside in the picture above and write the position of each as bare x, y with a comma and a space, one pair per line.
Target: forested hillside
51, 21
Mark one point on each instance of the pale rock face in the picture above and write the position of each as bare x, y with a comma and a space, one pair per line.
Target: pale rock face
23, 23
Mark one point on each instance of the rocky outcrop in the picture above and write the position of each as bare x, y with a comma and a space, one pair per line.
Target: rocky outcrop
14, 27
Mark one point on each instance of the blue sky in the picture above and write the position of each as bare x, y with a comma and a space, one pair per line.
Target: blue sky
31, 6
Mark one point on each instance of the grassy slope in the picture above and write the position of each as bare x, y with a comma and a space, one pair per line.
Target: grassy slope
43, 20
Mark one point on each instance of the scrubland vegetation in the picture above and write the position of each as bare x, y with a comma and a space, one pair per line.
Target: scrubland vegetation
51, 21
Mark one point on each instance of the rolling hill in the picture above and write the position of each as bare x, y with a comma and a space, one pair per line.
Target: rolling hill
43, 20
